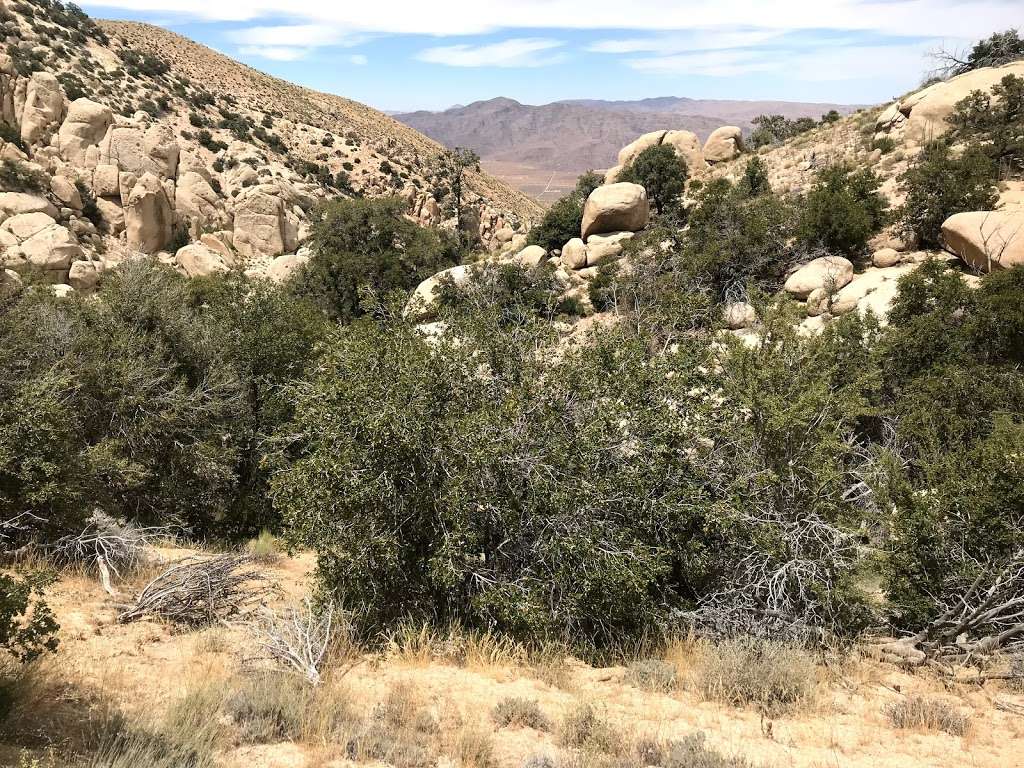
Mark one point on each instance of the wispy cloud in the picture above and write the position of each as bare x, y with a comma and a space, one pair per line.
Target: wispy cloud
517, 52
358, 60
927, 18
274, 52
291, 42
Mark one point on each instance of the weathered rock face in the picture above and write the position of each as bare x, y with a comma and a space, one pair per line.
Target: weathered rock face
199, 261
13, 203
49, 249
530, 257
139, 151
197, 202
629, 152
85, 125
260, 227
44, 108
574, 254
739, 315
64, 189
619, 207
725, 143
929, 109
84, 276
283, 267
829, 273
602, 249
987, 240
148, 217
687, 146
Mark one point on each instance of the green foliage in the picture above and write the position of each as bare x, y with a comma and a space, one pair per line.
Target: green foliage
755, 178
736, 239
661, 172
361, 244
27, 626
952, 360
995, 121
10, 133
842, 210
562, 221
153, 401
940, 183
15, 176
1000, 48
775, 129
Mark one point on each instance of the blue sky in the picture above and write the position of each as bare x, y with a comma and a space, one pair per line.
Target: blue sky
430, 54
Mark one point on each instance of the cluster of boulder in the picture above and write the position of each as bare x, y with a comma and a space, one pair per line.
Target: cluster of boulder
724, 144
119, 187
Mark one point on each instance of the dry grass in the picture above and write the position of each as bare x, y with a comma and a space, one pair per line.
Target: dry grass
927, 713
653, 675
422, 644
775, 677
585, 729
515, 712
265, 548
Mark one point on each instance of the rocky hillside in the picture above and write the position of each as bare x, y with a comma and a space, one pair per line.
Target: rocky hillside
885, 140
122, 138
576, 136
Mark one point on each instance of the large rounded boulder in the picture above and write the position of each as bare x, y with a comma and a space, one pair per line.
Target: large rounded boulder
725, 143
987, 240
622, 207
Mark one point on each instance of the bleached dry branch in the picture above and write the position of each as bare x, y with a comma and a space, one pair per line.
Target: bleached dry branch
301, 638
199, 591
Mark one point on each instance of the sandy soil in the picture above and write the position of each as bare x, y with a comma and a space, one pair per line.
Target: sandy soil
147, 665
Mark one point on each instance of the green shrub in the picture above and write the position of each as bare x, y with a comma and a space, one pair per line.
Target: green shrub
939, 184
661, 172
12, 135
996, 122
842, 210
563, 220
359, 244
27, 626
15, 176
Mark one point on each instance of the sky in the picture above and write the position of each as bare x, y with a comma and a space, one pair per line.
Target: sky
403, 55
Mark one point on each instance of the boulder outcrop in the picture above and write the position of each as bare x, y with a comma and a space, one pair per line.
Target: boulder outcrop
987, 240
725, 143
621, 207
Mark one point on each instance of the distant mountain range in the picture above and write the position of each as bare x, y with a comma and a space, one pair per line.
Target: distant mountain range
528, 145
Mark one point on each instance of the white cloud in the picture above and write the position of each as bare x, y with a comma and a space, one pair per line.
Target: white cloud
928, 18
358, 60
274, 52
518, 52
298, 35
691, 40
832, 63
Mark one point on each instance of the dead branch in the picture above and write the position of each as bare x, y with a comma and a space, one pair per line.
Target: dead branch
120, 546
301, 638
982, 620
200, 591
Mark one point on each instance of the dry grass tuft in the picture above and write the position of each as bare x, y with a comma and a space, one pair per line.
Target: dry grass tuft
422, 644
927, 713
269, 707
474, 748
585, 729
520, 713
776, 677
653, 675
264, 549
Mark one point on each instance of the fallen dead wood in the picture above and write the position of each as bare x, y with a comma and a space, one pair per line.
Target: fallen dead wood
199, 591
984, 620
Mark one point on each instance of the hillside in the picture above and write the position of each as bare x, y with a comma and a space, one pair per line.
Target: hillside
131, 139
527, 145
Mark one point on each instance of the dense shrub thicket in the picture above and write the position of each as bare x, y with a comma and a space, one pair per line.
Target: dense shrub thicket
360, 244
661, 172
637, 483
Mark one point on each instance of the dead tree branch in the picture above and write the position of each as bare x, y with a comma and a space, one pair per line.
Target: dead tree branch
201, 591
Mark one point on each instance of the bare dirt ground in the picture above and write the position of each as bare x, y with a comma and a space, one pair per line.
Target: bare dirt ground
146, 666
